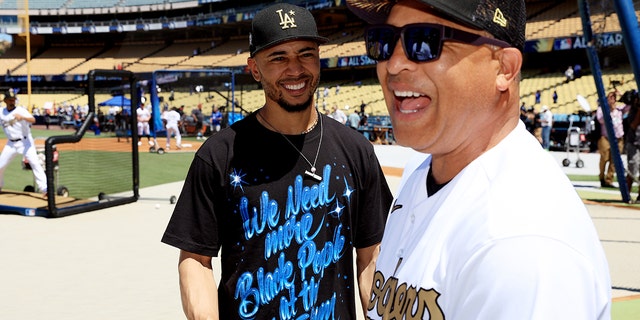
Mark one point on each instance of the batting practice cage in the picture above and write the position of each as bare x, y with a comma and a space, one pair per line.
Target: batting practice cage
86, 169
204, 88
596, 15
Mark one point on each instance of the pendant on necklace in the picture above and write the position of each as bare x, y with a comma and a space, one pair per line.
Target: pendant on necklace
313, 174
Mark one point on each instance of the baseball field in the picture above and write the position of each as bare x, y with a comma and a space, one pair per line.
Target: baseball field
97, 159
100, 160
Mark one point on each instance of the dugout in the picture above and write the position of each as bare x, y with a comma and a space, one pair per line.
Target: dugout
96, 178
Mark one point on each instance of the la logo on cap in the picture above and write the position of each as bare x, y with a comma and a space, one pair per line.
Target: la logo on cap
499, 18
286, 20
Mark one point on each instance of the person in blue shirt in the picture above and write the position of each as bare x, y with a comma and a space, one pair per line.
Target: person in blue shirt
216, 120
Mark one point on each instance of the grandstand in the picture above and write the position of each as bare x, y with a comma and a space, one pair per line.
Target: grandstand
71, 37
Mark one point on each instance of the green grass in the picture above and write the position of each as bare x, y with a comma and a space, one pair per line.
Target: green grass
582, 177
155, 169
40, 131
158, 169
626, 310
599, 196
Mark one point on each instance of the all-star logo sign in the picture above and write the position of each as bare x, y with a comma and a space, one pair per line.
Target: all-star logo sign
286, 19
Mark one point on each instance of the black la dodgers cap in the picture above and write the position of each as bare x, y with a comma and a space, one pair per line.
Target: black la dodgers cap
9, 94
279, 23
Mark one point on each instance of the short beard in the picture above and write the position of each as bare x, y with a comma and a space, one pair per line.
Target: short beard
272, 94
295, 107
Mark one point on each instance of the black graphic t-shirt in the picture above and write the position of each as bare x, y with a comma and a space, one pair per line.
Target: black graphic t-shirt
286, 239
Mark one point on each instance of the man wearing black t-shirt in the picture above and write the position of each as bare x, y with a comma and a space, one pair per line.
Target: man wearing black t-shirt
285, 195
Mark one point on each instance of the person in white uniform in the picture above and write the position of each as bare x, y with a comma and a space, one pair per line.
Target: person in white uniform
171, 120
143, 115
16, 122
485, 224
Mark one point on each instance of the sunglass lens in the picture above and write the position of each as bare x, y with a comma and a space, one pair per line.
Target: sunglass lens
380, 42
422, 43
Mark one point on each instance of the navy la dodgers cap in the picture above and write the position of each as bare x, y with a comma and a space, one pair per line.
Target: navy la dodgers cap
279, 23
504, 19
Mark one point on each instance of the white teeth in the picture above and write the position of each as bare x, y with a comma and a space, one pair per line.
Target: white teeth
406, 94
295, 87
408, 111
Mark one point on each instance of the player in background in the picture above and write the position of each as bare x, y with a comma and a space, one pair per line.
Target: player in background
144, 115
16, 122
172, 119
216, 119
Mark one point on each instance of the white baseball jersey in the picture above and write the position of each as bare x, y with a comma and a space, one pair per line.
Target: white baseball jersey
507, 238
143, 114
546, 118
14, 129
172, 117
20, 142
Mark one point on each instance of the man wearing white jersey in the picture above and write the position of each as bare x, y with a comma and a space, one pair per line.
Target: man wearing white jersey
16, 122
144, 115
171, 120
464, 240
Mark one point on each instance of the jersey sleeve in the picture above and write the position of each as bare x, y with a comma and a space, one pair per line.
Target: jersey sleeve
24, 112
193, 227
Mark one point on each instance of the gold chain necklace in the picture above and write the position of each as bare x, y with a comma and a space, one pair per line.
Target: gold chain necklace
313, 126
312, 171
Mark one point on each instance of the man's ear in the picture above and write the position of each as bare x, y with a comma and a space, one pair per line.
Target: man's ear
510, 63
253, 68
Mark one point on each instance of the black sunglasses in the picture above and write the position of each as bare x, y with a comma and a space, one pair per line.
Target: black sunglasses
421, 42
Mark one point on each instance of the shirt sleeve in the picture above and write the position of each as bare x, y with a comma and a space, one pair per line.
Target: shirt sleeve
24, 113
375, 200
193, 227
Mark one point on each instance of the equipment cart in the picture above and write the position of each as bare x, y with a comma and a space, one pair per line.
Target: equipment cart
61, 190
573, 142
